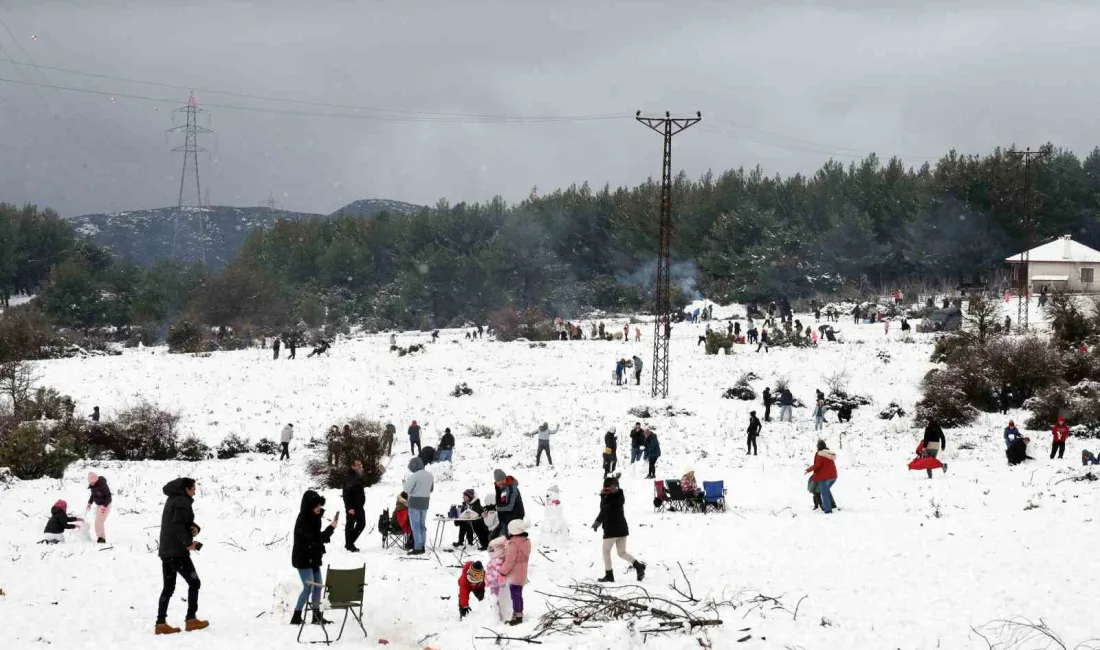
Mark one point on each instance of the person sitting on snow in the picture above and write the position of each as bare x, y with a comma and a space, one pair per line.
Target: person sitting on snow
59, 522
1017, 451
470, 581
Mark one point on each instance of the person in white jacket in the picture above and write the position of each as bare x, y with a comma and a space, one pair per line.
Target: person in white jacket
285, 438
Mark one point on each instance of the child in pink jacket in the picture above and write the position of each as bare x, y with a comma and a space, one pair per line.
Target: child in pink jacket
495, 580
516, 555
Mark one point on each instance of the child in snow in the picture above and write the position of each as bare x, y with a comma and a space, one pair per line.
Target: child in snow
101, 497
517, 553
1088, 459
470, 581
610, 447
495, 580
59, 522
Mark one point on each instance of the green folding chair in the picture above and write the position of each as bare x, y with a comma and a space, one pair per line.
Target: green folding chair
344, 588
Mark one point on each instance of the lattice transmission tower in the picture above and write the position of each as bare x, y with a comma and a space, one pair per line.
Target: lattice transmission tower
191, 149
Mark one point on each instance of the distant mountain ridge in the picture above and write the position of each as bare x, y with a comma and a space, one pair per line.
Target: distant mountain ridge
146, 236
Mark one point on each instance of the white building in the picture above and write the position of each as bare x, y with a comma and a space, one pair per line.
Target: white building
1059, 264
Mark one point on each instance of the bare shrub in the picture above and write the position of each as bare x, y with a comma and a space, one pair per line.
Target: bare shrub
332, 459
482, 431
16, 382
837, 382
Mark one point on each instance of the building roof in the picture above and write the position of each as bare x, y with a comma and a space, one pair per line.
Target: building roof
1062, 249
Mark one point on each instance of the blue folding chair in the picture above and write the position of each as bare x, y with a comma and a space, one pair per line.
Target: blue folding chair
714, 494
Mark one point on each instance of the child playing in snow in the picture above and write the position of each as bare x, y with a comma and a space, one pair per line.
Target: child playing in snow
495, 580
470, 581
59, 522
517, 553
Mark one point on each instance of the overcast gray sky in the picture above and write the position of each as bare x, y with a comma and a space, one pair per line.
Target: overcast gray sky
820, 78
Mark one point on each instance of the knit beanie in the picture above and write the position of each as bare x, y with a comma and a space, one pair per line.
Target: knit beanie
61, 504
92, 477
469, 494
499, 475
475, 574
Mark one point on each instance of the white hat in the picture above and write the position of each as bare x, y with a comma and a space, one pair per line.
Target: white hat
517, 527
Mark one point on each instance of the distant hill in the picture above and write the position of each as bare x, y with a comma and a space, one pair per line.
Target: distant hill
145, 236
368, 208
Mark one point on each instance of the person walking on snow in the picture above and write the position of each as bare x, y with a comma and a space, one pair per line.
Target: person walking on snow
637, 334
517, 553
59, 522
637, 442
763, 339
786, 402
637, 370
615, 529
768, 401
544, 432
508, 503
934, 442
275, 347
100, 499
620, 368
177, 539
1059, 432
652, 451
754, 432
823, 472
310, 537
610, 447
626, 332
819, 414
354, 500
471, 580
414, 438
446, 446
284, 440
419, 486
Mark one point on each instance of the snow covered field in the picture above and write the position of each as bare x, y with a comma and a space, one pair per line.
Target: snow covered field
905, 563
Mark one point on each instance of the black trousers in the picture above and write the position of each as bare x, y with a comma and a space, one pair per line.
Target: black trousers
544, 445
609, 463
637, 377
414, 446
467, 530
652, 468
751, 447
1059, 447
354, 528
767, 412
286, 451
170, 567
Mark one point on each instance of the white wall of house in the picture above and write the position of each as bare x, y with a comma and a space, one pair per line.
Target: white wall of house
1076, 281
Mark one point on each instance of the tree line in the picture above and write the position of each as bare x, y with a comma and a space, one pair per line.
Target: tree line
741, 235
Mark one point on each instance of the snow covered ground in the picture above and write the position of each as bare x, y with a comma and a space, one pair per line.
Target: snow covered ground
906, 562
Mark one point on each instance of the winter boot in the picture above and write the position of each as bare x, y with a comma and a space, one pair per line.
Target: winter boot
319, 619
817, 501
193, 624
516, 619
640, 568
608, 576
945, 468
101, 541
297, 618
164, 628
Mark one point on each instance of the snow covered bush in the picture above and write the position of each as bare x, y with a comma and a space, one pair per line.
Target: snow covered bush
1080, 404
233, 446
31, 452
266, 446
192, 450
461, 389
16, 382
718, 341
1069, 327
185, 337
945, 400
142, 432
25, 334
778, 338
741, 390
47, 403
332, 460
482, 431
510, 324
892, 411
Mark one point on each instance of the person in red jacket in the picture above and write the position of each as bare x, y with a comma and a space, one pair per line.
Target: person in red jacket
470, 581
1060, 432
824, 474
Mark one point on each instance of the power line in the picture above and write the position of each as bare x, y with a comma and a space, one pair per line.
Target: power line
799, 144
397, 113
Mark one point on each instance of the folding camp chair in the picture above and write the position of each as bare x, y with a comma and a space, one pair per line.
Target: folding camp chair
659, 496
714, 494
344, 589
677, 502
392, 532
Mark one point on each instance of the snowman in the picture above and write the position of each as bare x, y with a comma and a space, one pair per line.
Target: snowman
553, 516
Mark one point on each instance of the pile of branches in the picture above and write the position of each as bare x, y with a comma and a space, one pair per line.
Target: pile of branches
1020, 633
587, 603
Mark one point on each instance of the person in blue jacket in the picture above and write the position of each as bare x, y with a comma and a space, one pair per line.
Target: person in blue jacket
1011, 433
652, 451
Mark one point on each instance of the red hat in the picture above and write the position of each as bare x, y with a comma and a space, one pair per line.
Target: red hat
1011, 423
61, 504
1061, 419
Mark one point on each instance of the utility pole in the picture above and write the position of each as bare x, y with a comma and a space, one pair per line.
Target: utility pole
270, 202
667, 126
190, 148
1023, 288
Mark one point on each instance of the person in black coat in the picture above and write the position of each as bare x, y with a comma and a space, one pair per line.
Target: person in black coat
768, 401
354, 500
177, 539
615, 530
470, 526
59, 522
275, 347
100, 497
310, 537
637, 442
610, 451
934, 442
446, 446
509, 502
753, 432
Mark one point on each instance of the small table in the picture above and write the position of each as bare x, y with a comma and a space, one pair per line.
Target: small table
437, 538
